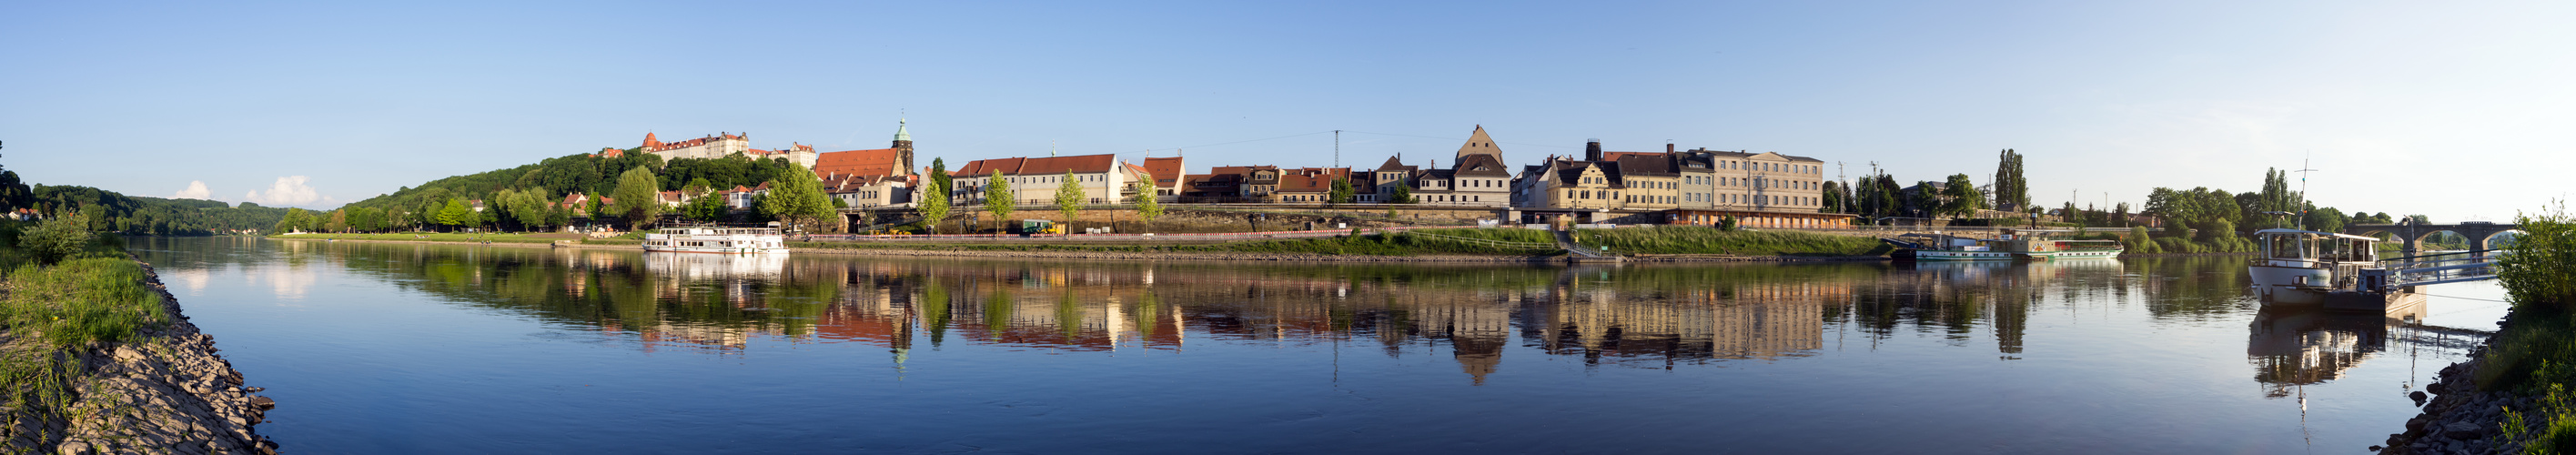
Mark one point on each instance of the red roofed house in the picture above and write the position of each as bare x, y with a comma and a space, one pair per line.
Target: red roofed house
1167, 175
1033, 181
1313, 185
885, 162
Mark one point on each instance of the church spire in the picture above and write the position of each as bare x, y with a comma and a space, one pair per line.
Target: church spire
899, 133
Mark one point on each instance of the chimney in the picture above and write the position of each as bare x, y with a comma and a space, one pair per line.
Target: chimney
1592, 150
1668, 147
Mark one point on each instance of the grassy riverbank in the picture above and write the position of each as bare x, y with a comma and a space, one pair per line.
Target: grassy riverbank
2535, 353
53, 313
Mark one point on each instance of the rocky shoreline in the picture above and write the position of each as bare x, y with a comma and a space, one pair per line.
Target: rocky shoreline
2459, 418
168, 392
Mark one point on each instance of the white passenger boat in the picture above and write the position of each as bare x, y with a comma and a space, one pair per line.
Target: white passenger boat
716, 240
2299, 266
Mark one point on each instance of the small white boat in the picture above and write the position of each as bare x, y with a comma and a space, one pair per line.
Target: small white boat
716, 240
2301, 267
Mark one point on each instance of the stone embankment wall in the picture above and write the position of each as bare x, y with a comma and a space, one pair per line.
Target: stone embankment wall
2459, 418
165, 393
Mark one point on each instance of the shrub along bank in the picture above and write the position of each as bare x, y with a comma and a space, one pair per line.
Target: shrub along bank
2535, 354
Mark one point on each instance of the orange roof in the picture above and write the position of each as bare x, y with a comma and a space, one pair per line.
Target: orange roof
859, 162
1166, 171
1082, 164
1311, 180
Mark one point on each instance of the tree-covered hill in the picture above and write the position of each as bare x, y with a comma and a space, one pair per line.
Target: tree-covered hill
143, 215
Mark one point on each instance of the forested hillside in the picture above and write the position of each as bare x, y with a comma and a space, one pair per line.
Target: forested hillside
526, 197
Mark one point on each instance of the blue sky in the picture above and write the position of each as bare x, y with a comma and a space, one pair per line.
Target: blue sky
2459, 111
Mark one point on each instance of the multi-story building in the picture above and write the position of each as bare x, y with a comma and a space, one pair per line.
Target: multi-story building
1033, 181
1478, 177
1560, 186
1765, 189
869, 191
1699, 187
717, 146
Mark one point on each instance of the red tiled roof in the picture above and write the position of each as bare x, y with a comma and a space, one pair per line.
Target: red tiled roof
1166, 171
859, 162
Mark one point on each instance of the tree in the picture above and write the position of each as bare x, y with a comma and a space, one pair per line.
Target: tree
1341, 192
1833, 198
2324, 220
705, 209
292, 222
2012, 192
998, 197
56, 238
939, 173
1960, 198
454, 213
1403, 195
338, 221
934, 201
1068, 199
1148, 206
638, 197
2140, 242
697, 187
797, 199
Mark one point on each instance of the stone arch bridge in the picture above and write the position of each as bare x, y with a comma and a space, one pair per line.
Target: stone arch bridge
2478, 232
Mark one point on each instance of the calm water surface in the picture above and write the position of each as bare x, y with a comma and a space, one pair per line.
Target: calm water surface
401, 348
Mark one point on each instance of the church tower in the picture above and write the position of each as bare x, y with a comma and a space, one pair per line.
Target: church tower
1479, 144
903, 148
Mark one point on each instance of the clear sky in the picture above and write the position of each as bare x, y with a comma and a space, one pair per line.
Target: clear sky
2458, 110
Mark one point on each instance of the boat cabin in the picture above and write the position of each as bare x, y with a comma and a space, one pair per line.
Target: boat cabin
2292, 246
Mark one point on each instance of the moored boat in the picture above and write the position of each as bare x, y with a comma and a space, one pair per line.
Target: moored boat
716, 240
2299, 266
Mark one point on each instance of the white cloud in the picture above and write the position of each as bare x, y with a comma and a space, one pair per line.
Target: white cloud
196, 190
288, 190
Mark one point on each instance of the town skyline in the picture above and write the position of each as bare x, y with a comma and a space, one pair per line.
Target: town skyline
2171, 96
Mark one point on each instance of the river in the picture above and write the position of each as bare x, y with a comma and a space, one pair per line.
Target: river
444, 348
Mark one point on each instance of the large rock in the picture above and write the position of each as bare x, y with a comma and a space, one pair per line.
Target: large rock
2463, 430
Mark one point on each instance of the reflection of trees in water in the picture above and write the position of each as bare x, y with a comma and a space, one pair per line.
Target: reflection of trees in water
1653, 315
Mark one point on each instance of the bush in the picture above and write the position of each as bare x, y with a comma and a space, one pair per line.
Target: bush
2540, 272
55, 239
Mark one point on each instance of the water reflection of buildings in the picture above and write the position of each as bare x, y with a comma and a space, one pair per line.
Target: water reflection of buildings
1654, 316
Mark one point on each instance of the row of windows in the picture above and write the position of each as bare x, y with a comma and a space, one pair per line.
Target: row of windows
1771, 167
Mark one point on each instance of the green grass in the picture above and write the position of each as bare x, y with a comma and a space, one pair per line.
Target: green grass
79, 302
1708, 240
